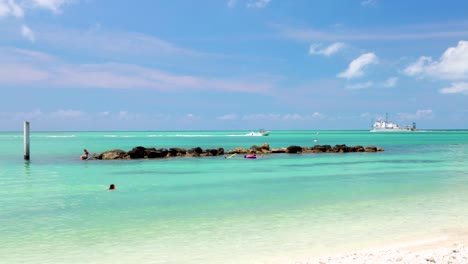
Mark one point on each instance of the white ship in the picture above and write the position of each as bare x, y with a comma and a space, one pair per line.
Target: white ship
389, 126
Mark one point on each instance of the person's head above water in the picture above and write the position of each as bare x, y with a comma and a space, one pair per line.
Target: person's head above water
112, 187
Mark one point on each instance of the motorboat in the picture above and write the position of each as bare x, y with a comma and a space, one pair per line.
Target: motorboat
259, 133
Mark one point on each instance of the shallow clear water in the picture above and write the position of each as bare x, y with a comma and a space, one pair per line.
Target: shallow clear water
275, 209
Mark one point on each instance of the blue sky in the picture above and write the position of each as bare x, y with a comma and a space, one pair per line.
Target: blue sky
232, 64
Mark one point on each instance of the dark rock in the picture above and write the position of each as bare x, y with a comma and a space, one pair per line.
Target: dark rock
371, 149
237, 151
278, 150
255, 149
112, 154
137, 152
211, 152
151, 153
161, 153
319, 149
294, 149
173, 152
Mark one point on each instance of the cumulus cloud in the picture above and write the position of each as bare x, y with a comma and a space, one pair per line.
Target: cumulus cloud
358, 86
258, 4
10, 8
357, 66
27, 33
327, 51
460, 87
452, 65
390, 82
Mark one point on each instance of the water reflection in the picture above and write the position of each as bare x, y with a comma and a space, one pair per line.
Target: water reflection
27, 168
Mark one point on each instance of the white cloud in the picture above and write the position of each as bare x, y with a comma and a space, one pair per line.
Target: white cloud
17, 10
124, 115
16, 55
22, 67
387, 33
231, 3
191, 116
4, 9
390, 82
34, 115
27, 33
227, 117
39, 115
417, 68
52, 5
356, 67
318, 115
420, 114
67, 114
104, 113
292, 117
21, 74
284, 117
452, 65
460, 87
328, 51
258, 4
10, 8
103, 43
255, 117
358, 86
369, 3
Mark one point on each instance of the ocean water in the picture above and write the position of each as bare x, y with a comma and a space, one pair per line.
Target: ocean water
279, 208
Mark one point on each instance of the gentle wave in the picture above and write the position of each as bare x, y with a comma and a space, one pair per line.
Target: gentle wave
115, 136
64, 136
245, 135
190, 135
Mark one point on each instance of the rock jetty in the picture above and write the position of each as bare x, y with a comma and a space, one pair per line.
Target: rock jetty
153, 153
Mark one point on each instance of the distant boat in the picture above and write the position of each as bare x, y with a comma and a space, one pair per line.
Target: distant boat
389, 126
259, 133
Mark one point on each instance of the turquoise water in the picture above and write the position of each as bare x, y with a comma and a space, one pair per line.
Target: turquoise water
275, 209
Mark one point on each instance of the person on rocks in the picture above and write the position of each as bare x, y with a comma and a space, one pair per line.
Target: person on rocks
85, 156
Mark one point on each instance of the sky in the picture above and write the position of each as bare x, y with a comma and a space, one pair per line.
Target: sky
102, 65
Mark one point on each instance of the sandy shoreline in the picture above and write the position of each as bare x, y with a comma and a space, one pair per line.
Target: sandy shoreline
438, 250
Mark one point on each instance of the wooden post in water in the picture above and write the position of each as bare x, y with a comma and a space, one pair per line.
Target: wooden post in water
26, 140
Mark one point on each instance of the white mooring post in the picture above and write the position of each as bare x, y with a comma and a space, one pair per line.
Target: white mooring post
26, 140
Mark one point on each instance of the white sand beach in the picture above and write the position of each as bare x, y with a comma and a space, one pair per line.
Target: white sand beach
439, 250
